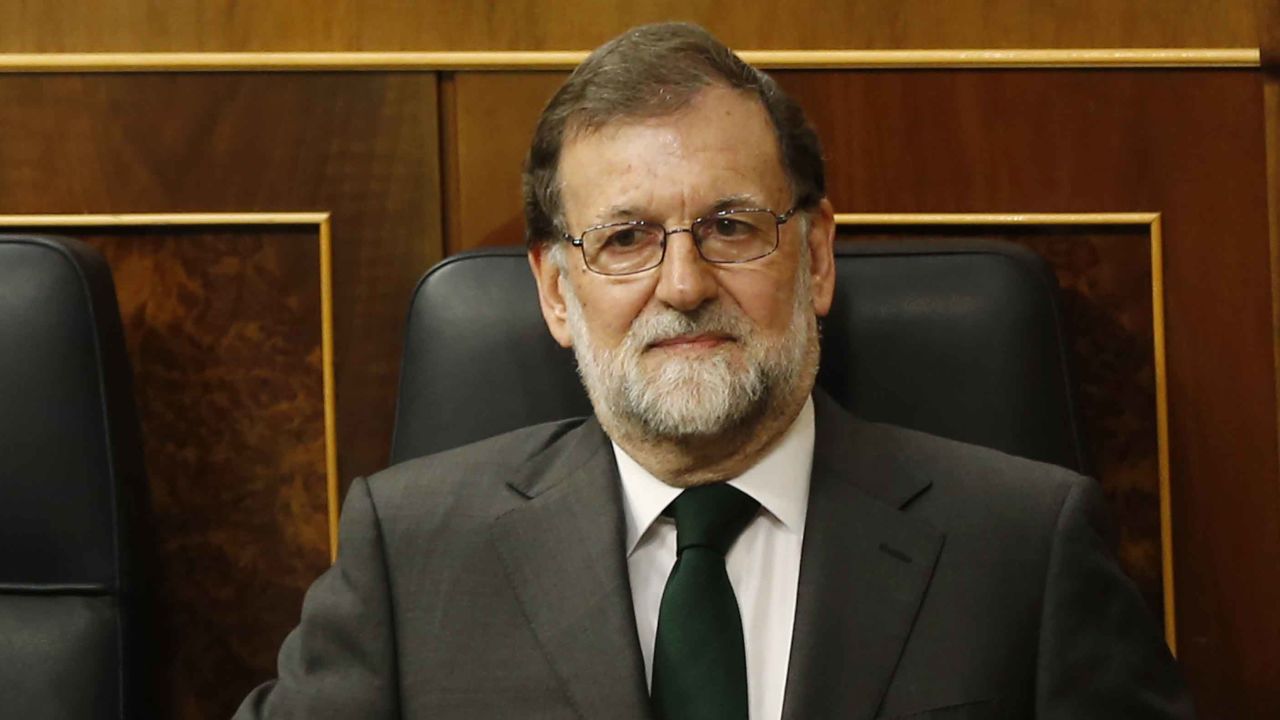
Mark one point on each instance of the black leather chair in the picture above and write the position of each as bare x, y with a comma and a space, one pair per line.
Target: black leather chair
72, 644
959, 337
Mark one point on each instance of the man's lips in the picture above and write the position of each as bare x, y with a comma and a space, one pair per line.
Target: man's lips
701, 341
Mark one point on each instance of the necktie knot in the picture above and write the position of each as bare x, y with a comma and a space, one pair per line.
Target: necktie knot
711, 516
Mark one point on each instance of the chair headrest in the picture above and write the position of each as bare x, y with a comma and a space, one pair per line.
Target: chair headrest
957, 337
68, 429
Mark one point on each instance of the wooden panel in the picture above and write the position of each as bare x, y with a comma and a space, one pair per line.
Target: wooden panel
224, 326
1268, 23
1188, 144
493, 119
126, 25
1269, 12
223, 334
363, 146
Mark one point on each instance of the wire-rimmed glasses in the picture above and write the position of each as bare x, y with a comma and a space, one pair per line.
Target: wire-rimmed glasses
725, 237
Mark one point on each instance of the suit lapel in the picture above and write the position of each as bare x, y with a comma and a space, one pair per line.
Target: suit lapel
863, 573
563, 551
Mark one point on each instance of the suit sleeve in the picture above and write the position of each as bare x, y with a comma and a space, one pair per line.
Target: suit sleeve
340, 662
1101, 653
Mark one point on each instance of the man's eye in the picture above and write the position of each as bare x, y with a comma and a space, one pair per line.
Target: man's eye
624, 239
731, 228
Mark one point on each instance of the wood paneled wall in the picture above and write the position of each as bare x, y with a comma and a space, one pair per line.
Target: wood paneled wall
224, 326
221, 324
292, 25
1269, 22
417, 164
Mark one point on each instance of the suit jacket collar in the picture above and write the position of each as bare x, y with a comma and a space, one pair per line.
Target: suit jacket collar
863, 572
865, 454
563, 552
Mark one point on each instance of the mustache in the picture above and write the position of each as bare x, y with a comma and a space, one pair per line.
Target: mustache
712, 319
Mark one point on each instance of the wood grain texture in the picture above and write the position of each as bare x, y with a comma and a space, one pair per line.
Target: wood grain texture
1271, 95
1268, 24
225, 325
494, 115
1188, 144
1269, 14
222, 332
284, 25
363, 146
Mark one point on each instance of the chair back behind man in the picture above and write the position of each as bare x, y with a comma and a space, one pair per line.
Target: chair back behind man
958, 337
72, 642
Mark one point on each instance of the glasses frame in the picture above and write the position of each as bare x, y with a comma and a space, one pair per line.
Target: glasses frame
779, 221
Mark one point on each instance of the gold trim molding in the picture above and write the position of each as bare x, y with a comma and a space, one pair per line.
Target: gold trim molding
318, 220
1150, 222
566, 60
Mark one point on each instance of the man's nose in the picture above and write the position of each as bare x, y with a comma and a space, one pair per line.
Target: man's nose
685, 280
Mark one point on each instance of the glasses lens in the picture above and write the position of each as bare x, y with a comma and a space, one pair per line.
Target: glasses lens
737, 236
623, 248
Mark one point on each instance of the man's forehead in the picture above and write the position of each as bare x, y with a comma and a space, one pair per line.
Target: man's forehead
720, 99
722, 143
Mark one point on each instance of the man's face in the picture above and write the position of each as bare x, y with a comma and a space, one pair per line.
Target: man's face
688, 348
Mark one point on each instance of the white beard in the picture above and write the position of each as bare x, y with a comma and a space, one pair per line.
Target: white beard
704, 394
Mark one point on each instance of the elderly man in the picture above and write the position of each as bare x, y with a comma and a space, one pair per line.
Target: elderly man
720, 540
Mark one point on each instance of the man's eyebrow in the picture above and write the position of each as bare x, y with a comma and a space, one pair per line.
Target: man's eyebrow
735, 202
622, 213
617, 213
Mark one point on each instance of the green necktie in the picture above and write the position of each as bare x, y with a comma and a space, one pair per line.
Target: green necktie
699, 662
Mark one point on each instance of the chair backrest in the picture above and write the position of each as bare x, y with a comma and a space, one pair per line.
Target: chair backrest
71, 477
957, 337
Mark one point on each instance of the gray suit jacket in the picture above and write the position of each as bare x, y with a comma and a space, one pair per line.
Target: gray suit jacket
938, 580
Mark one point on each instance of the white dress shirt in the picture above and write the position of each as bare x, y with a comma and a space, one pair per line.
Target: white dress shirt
763, 565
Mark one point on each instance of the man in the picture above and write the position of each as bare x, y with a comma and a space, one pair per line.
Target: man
720, 540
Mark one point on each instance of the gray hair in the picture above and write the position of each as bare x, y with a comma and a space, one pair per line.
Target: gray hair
654, 71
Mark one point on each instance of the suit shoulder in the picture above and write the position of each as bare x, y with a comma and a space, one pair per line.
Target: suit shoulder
958, 469
960, 454
990, 504
492, 457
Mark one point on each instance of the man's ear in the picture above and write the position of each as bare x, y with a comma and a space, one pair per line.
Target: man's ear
546, 272
822, 259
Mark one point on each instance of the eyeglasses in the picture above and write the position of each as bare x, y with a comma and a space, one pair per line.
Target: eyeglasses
726, 237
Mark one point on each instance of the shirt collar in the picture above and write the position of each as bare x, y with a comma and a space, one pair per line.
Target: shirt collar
779, 482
